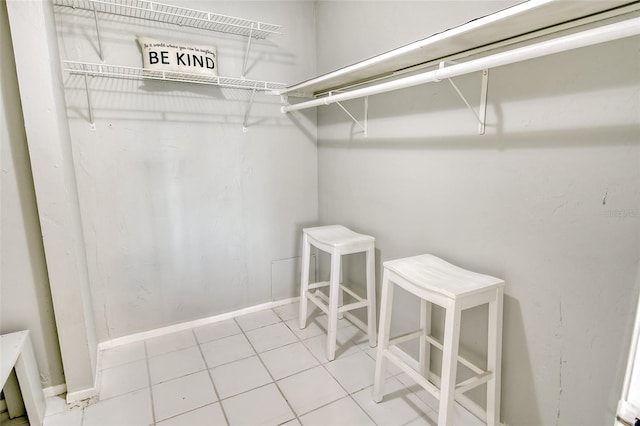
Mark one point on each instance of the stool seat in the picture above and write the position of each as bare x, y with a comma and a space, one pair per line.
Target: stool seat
437, 282
337, 237
439, 276
338, 240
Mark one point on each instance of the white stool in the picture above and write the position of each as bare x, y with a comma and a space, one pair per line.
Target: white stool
16, 352
338, 241
435, 281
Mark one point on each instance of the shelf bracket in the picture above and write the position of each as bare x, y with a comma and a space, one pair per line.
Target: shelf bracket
96, 20
246, 113
483, 101
92, 123
246, 52
365, 125
481, 116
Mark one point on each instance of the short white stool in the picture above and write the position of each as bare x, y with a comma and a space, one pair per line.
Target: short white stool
435, 281
338, 241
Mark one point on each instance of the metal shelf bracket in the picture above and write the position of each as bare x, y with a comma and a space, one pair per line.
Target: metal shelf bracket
96, 20
245, 129
92, 124
246, 52
365, 124
481, 115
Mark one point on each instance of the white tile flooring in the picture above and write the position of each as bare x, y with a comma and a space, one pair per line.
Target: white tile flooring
256, 369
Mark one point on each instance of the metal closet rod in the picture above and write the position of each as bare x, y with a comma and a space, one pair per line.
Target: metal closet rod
585, 38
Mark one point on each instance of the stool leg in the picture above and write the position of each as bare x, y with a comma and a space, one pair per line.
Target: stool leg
449, 364
334, 290
304, 280
386, 305
12, 396
341, 294
371, 295
425, 347
30, 386
494, 359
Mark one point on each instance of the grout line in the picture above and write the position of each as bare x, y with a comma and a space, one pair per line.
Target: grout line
324, 365
171, 351
246, 391
328, 403
82, 416
146, 360
215, 390
284, 319
349, 395
275, 382
228, 362
235, 333
189, 411
120, 365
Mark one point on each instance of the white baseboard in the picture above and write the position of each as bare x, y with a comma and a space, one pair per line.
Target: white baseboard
87, 396
189, 324
82, 397
54, 390
79, 398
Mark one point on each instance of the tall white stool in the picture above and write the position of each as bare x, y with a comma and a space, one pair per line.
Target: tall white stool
435, 281
338, 241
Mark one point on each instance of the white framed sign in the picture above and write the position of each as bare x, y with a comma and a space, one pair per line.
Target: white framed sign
159, 55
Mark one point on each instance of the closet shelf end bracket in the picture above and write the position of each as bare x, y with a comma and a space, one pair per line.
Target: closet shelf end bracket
92, 123
365, 123
481, 115
245, 129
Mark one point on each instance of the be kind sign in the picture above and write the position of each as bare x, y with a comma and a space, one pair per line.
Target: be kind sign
180, 57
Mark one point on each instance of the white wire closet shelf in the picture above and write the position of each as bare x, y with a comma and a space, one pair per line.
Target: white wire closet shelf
119, 71
519, 23
166, 13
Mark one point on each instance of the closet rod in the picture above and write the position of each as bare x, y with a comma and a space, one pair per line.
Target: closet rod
585, 38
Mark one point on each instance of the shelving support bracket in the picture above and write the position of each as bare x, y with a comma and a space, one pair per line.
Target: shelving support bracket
481, 116
246, 113
246, 52
95, 18
92, 123
365, 125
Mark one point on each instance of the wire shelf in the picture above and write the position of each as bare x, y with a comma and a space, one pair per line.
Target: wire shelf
119, 71
166, 13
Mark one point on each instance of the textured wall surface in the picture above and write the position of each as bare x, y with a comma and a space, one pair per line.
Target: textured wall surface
186, 216
548, 199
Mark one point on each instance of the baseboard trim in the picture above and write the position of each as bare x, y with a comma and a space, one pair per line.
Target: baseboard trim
82, 397
119, 341
54, 390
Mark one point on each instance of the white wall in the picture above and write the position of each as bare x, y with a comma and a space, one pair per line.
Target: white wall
186, 216
25, 297
548, 199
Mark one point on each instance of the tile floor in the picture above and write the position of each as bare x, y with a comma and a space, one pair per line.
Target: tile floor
256, 369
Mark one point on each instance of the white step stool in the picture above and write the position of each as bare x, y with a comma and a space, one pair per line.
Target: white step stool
338, 241
435, 281
16, 352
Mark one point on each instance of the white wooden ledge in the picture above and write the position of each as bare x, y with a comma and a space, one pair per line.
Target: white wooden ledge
16, 352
